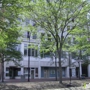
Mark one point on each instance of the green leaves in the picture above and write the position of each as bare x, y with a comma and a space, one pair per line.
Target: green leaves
9, 29
54, 17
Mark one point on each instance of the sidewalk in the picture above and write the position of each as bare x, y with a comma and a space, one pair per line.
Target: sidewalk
38, 80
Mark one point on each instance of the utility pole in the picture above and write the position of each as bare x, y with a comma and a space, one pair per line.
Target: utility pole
28, 36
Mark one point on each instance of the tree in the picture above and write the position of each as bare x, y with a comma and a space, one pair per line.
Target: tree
79, 44
10, 11
55, 16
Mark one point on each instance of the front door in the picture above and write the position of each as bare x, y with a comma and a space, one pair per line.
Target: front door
46, 73
32, 74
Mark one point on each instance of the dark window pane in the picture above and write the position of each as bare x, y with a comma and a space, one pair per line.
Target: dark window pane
25, 49
36, 73
35, 53
32, 52
7, 74
25, 52
36, 70
47, 54
7, 69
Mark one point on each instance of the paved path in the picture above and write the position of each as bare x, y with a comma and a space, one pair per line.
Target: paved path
36, 80
45, 85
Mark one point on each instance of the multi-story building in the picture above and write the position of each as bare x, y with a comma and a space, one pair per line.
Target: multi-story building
41, 66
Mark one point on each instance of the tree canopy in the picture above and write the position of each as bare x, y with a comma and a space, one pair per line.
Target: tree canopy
10, 11
56, 16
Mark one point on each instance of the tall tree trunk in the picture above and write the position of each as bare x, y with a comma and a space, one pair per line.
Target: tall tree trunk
2, 69
60, 66
56, 67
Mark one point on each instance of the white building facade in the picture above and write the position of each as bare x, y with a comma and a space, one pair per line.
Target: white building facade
40, 67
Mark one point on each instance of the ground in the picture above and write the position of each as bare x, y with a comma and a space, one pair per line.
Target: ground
46, 85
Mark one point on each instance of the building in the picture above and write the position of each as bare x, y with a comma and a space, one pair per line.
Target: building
41, 67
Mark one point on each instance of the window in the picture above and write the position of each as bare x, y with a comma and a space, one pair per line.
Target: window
52, 71
7, 74
45, 54
25, 49
7, 71
29, 51
18, 71
63, 72
25, 70
36, 53
32, 52
36, 72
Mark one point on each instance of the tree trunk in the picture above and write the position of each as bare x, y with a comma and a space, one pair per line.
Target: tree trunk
2, 68
60, 66
56, 67
2, 71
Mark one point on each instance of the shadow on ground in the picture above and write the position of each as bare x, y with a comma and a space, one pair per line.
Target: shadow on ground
36, 86
4, 86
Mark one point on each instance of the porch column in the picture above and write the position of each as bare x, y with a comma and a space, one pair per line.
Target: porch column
88, 70
80, 69
39, 69
67, 72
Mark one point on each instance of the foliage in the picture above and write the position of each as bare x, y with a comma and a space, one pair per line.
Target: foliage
10, 11
55, 16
